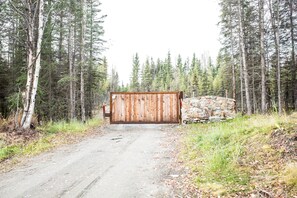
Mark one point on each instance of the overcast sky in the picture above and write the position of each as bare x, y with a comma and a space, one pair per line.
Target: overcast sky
153, 27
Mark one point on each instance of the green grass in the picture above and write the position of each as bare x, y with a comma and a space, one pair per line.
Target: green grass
52, 134
9, 151
220, 154
70, 127
43, 144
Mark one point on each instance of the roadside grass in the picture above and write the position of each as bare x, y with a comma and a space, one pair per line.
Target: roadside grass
237, 157
70, 127
9, 151
51, 135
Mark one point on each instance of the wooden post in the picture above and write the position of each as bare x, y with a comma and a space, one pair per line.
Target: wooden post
181, 96
110, 107
103, 109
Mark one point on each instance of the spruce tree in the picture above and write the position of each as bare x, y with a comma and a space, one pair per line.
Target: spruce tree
134, 85
147, 77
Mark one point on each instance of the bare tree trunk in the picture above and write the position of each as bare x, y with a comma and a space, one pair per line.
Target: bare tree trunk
27, 117
262, 53
16, 117
293, 64
275, 28
82, 61
30, 70
50, 70
253, 84
90, 66
30, 66
232, 61
241, 78
70, 62
241, 87
60, 42
74, 71
243, 50
278, 63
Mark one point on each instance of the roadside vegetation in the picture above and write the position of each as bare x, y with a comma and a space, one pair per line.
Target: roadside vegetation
245, 156
32, 142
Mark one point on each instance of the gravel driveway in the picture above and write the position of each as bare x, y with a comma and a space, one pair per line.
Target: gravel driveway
126, 161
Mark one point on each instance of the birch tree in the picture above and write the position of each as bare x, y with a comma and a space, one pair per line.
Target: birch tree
33, 21
54, 65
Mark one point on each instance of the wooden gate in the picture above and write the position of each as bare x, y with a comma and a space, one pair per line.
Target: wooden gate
145, 107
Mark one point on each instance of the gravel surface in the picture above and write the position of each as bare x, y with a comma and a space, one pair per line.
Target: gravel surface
126, 161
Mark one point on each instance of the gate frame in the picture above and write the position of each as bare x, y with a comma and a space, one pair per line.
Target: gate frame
179, 95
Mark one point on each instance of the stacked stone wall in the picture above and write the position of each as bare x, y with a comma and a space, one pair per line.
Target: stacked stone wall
208, 108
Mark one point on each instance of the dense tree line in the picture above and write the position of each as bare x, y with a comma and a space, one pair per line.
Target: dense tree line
256, 65
258, 54
50, 59
51, 63
194, 77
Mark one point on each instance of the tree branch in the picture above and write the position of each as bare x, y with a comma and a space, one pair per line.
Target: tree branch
16, 9
35, 10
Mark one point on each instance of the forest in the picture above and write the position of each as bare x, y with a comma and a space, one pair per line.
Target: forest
256, 64
51, 62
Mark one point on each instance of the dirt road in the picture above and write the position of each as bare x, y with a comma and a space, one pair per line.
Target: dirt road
126, 161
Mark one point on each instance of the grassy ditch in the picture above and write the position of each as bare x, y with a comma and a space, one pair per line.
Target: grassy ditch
49, 136
244, 156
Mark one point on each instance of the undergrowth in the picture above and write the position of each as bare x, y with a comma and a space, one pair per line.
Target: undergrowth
236, 156
70, 127
9, 151
51, 135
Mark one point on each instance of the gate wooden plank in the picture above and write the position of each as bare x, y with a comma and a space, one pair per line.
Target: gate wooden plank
134, 108
138, 108
161, 107
114, 108
118, 108
142, 107
171, 109
152, 108
129, 108
126, 107
110, 108
157, 108
177, 107
141, 112
167, 108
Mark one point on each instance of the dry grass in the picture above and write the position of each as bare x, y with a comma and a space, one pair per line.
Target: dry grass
15, 144
248, 155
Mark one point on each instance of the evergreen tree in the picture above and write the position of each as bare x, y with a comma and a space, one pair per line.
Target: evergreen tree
168, 73
159, 78
195, 75
147, 77
134, 85
114, 81
60, 55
